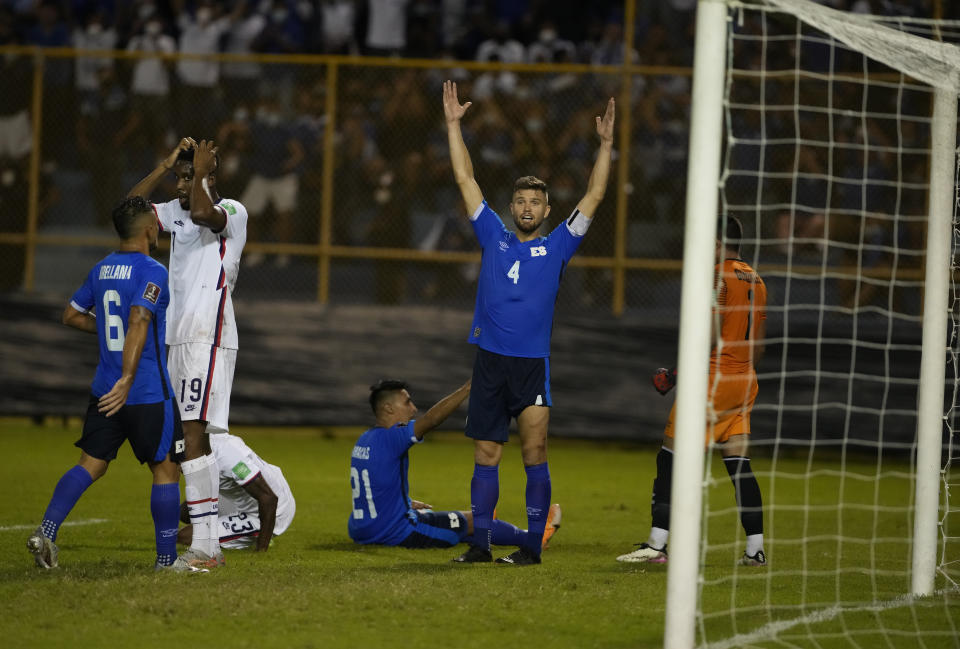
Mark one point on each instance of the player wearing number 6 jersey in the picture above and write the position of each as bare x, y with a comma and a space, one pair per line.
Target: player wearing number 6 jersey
738, 331
256, 503
123, 301
520, 274
207, 235
383, 512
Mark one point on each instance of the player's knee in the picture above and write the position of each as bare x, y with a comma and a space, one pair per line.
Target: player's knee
534, 453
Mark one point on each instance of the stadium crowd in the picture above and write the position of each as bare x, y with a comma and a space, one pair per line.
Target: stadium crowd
391, 185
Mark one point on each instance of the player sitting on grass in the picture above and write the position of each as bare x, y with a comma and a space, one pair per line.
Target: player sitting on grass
256, 503
383, 512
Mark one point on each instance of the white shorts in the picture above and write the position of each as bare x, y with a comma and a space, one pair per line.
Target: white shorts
240, 529
16, 138
281, 192
202, 397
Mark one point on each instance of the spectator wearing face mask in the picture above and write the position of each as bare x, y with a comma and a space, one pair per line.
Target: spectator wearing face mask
150, 82
275, 158
97, 34
198, 100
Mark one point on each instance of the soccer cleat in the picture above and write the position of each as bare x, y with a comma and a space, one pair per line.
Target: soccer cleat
553, 524
197, 559
475, 554
44, 550
758, 560
521, 557
646, 553
178, 566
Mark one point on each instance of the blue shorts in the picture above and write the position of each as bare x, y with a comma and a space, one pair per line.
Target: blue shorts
502, 387
436, 530
154, 430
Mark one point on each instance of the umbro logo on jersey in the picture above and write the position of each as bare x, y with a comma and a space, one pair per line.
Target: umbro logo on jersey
504, 245
538, 251
180, 223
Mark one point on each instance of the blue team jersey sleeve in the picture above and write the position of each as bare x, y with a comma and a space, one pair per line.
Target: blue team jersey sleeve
151, 284
402, 438
487, 225
564, 240
83, 300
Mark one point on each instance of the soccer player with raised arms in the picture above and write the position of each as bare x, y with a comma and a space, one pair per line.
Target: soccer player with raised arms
738, 329
520, 274
207, 235
123, 302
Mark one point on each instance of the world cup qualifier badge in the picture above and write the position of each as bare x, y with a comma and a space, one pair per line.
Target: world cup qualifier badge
151, 293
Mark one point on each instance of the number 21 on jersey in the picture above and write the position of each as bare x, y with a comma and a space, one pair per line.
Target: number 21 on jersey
360, 481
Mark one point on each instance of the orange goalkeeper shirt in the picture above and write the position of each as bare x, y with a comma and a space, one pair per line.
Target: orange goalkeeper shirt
741, 303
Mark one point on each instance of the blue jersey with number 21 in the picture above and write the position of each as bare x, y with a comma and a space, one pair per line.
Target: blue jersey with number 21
114, 285
518, 286
378, 478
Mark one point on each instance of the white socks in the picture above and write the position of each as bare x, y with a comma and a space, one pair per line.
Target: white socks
754, 544
658, 538
202, 487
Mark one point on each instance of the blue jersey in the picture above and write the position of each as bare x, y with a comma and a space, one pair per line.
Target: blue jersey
116, 283
378, 478
518, 285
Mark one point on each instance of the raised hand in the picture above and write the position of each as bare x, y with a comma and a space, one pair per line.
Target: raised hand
185, 144
204, 158
605, 123
452, 109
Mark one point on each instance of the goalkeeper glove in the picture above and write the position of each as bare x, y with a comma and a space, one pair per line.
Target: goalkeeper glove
665, 379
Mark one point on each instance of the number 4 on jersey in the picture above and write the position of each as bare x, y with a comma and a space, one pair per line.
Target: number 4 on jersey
514, 272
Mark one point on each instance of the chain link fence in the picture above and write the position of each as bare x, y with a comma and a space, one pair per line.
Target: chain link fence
343, 166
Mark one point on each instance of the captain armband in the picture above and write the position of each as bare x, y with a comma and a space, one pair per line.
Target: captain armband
578, 224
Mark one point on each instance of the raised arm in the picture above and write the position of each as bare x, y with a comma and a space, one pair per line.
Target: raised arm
137, 325
202, 210
453, 112
441, 410
146, 186
597, 185
267, 502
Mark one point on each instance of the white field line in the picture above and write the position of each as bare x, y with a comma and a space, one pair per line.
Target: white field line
771, 630
84, 521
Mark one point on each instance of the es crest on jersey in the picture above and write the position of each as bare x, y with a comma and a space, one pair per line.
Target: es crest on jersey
151, 293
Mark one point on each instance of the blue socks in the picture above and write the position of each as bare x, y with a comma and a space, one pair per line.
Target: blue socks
484, 494
500, 533
165, 507
538, 505
65, 495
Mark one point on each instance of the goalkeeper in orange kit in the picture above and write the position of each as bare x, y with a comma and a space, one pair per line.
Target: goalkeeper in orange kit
739, 327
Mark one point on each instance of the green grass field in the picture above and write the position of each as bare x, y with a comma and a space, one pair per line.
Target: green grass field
316, 589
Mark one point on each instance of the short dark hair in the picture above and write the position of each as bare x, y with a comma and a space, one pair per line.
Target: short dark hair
125, 214
382, 389
187, 156
732, 228
530, 182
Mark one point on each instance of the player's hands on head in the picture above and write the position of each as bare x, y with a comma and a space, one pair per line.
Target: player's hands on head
204, 160
665, 379
453, 110
605, 123
185, 144
111, 402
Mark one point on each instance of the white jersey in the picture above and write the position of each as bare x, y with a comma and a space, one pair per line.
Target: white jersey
238, 465
203, 272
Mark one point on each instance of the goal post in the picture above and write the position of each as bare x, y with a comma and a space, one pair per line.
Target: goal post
832, 136
933, 354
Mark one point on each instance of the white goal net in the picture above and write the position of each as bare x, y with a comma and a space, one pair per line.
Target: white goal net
830, 154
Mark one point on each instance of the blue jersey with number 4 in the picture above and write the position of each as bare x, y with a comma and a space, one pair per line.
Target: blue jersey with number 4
117, 283
518, 285
378, 478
